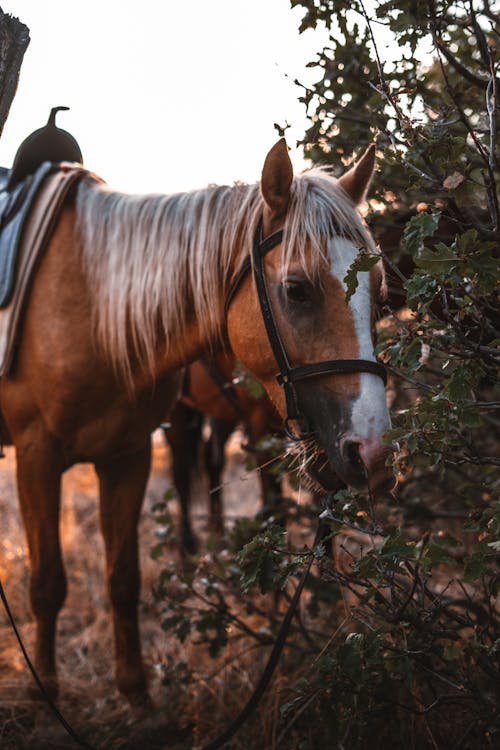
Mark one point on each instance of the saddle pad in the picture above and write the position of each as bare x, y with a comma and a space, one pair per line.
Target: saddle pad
15, 206
4, 177
44, 211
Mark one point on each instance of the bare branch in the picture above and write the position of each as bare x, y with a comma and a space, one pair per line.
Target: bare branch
491, 105
489, 177
384, 88
480, 36
461, 69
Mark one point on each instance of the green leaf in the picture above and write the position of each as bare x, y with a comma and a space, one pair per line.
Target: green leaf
420, 291
259, 560
440, 261
245, 379
157, 551
475, 566
459, 386
362, 263
422, 225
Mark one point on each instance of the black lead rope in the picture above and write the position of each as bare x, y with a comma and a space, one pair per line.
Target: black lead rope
67, 726
256, 695
274, 656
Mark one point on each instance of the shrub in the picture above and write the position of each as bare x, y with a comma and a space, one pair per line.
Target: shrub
398, 641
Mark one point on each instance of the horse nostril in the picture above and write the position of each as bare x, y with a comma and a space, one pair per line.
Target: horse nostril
352, 455
365, 462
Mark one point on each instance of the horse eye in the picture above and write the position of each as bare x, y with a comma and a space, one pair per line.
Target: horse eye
296, 290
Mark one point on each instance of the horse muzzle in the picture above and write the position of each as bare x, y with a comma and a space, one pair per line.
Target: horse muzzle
358, 458
361, 464
364, 463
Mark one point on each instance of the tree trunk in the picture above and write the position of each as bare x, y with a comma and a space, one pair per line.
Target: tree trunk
14, 40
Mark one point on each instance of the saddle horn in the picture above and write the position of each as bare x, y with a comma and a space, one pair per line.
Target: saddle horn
48, 143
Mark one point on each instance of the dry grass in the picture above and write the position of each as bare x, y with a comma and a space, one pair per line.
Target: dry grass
89, 699
194, 697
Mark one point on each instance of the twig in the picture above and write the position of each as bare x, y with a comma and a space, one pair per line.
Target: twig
225, 612
460, 688
228, 662
488, 12
461, 69
415, 573
297, 715
413, 381
489, 180
369, 532
491, 105
404, 161
453, 96
301, 625
245, 477
480, 36
475, 461
384, 89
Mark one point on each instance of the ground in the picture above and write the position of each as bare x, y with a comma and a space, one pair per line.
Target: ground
88, 696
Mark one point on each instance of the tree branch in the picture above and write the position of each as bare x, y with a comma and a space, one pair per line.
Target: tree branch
14, 40
461, 69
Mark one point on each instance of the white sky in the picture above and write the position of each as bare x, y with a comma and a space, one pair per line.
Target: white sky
165, 95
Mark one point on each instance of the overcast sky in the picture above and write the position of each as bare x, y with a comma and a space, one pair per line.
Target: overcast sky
165, 95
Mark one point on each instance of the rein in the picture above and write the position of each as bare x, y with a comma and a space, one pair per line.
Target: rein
289, 375
258, 692
67, 726
275, 654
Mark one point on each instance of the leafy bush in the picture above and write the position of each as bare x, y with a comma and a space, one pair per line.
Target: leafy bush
399, 640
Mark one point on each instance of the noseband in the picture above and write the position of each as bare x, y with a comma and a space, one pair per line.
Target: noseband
288, 375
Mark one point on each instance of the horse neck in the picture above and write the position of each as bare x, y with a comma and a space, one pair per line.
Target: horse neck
158, 268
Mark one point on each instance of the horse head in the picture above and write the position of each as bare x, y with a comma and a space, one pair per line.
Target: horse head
329, 388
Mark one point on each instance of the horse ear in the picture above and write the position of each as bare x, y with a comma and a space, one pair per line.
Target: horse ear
356, 181
277, 176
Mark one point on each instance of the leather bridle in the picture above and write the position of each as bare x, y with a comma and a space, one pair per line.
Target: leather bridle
289, 375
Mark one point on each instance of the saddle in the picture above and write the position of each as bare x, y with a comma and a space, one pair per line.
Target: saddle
47, 164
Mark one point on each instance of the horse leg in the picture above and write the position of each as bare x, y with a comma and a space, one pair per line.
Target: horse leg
39, 469
214, 464
122, 483
261, 423
183, 436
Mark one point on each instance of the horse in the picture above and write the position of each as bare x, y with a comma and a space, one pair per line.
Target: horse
129, 290
209, 391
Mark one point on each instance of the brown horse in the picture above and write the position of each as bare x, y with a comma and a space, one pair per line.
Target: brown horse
209, 391
130, 289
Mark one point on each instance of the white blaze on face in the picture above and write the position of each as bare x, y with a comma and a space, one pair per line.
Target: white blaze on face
369, 416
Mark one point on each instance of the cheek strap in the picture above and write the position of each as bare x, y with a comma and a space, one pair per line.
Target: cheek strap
287, 374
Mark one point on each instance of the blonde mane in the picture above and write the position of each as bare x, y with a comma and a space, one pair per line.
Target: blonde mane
151, 258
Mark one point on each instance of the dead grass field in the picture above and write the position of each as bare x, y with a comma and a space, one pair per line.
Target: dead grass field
89, 699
